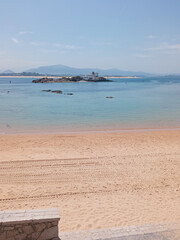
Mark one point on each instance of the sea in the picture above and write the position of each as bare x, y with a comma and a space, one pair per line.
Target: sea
134, 104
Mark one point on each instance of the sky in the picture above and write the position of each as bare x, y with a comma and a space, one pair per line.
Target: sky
136, 35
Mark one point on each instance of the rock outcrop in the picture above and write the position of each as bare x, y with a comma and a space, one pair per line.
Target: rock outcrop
53, 91
68, 80
57, 91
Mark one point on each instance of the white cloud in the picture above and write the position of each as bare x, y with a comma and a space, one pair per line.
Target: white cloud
15, 40
37, 43
52, 51
25, 32
150, 37
139, 55
165, 46
2, 52
174, 46
55, 45
105, 43
70, 47
64, 46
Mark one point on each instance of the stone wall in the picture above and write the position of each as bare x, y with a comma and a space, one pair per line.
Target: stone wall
41, 224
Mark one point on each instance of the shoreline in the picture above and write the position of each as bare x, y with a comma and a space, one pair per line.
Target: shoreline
87, 131
96, 180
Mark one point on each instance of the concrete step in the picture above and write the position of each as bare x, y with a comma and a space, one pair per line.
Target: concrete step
170, 231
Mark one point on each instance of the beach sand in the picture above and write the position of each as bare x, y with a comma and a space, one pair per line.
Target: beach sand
96, 180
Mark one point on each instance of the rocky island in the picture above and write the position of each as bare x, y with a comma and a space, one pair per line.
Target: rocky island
93, 77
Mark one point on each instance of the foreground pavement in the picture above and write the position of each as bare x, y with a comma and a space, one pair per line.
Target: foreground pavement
145, 232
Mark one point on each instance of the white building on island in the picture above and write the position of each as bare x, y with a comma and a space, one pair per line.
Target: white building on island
91, 77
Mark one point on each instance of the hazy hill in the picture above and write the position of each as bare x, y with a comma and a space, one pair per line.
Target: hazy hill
8, 71
65, 70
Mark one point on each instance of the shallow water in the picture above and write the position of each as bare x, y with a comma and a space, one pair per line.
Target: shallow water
136, 103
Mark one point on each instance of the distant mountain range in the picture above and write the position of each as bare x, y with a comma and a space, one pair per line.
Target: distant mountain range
65, 70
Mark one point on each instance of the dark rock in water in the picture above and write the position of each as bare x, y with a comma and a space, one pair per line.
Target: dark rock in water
57, 91
54, 91
46, 90
52, 80
43, 80
110, 97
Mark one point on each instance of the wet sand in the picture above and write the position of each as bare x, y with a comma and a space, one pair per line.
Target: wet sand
96, 180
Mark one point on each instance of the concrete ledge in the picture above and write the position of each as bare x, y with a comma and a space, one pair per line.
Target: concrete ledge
40, 224
168, 231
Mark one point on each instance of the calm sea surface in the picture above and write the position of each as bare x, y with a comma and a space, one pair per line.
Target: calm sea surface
136, 103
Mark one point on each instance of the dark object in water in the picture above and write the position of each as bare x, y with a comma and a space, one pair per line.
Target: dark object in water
57, 91
69, 94
46, 90
110, 97
54, 91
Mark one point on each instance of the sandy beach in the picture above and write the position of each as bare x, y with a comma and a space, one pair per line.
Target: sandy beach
62, 76
96, 180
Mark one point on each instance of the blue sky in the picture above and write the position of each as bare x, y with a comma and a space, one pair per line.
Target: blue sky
138, 35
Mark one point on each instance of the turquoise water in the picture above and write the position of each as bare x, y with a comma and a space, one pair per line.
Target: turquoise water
136, 103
